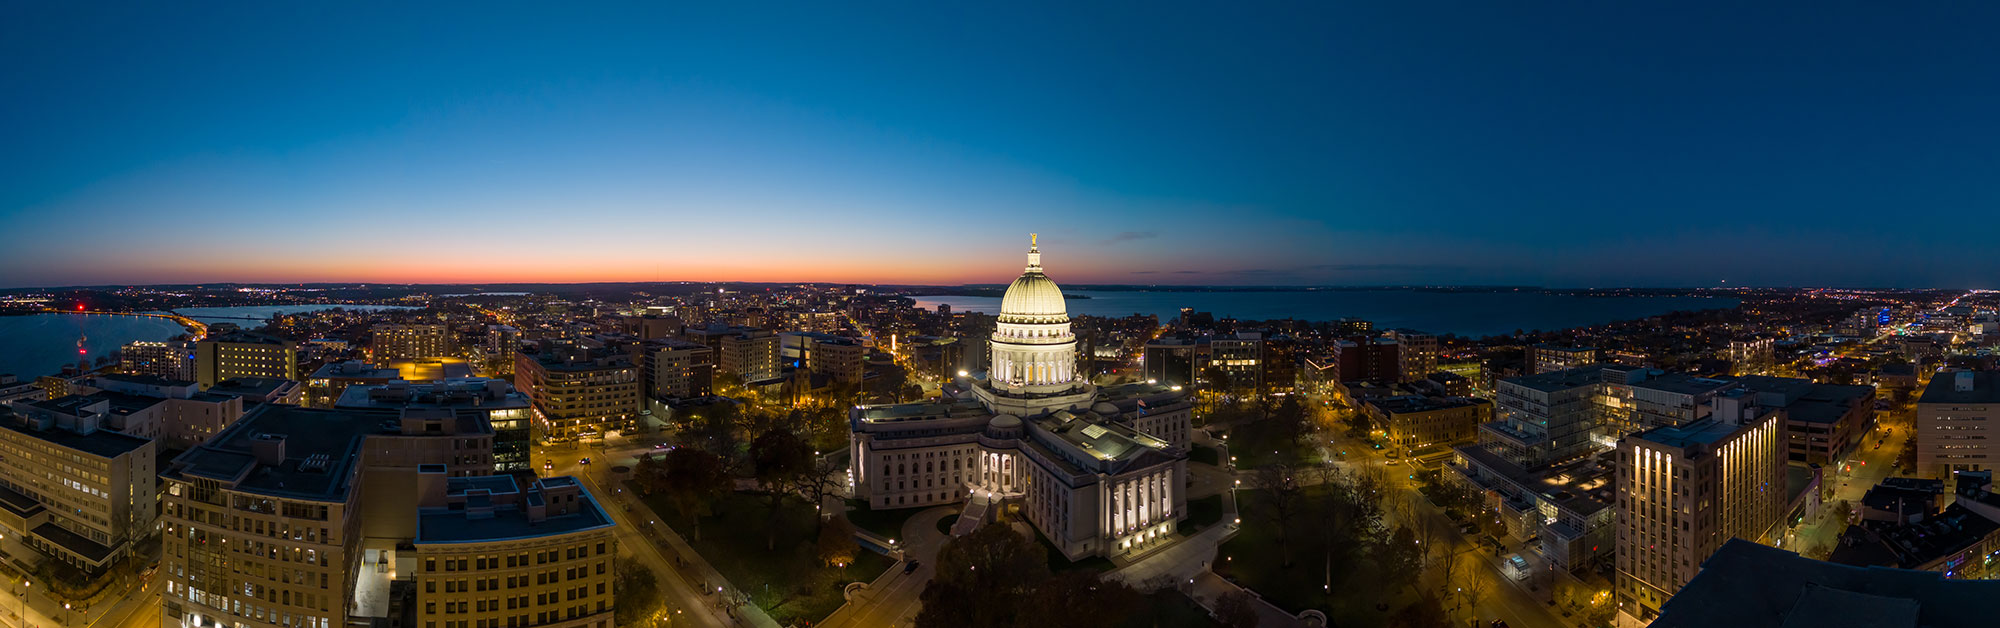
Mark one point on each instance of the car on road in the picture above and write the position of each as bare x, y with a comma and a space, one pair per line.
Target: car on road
584, 461
911, 566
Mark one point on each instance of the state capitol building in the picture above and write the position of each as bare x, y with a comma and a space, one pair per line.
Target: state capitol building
1098, 472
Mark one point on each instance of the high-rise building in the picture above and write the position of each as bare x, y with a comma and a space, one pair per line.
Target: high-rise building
237, 354
410, 342
174, 359
1237, 358
748, 353
1172, 361
1958, 417
842, 359
80, 494
579, 393
674, 369
1684, 490
1416, 353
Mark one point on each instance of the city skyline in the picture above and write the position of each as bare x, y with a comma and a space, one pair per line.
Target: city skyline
1605, 147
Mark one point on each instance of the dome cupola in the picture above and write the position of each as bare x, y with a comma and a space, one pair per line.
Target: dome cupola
1033, 298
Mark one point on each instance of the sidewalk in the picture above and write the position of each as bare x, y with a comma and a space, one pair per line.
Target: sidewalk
691, 564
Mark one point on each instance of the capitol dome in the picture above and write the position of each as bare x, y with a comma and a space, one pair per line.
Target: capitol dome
1033, 297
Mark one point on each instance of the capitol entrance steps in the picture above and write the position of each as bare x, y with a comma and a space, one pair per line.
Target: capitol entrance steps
977, 510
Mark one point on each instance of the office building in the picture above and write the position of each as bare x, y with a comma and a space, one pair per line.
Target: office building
1958, 418
674, 369
1364, 359
1824, 423
1418, 424
476, 399
490, 553
1684, 490
393, 342
841, 359
1545, 418
238, 354
579, 393
1172, 361
78, 494
1236, 359
1547, 358
747, 353
174, 359
1096, 472
174, 413
302, 517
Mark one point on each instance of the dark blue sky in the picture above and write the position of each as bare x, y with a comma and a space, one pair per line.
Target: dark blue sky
1597, 144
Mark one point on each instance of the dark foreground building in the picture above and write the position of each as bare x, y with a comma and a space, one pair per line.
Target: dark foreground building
1746, 585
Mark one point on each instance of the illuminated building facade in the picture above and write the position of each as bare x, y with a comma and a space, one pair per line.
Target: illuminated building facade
1097, 472
242, 354
1684, 490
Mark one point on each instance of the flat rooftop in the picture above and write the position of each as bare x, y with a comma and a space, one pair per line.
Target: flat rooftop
1554, 381
1746, 585
321, 448
101, 443
1700, 432
1944, 388
488, 521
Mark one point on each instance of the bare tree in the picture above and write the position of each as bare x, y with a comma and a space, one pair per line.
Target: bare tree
1283, 500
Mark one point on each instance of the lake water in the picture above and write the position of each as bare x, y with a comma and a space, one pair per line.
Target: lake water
251, 316
1473, 314
41, 344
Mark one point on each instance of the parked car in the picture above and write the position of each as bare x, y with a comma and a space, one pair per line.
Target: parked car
911, 566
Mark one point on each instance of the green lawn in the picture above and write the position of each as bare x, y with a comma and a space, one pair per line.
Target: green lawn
1259, 443
888, 523
1167, 608
1348, 595
1202, 513
789, 582
1205, 455
945, 523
